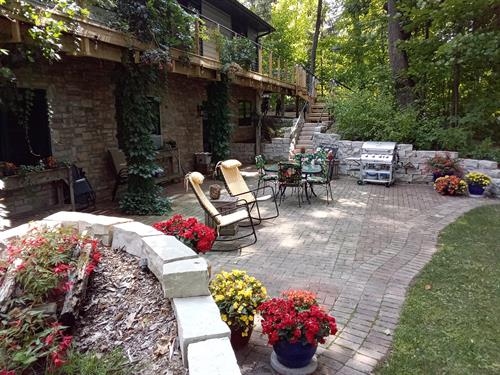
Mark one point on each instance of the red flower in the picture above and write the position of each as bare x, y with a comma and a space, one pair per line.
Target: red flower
49, 339
62, 267
7, 372
90, 268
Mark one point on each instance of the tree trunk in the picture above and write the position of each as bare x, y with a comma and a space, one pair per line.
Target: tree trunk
397, 58
455, 92
317, 29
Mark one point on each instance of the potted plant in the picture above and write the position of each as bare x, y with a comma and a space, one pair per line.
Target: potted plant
295, 324
477, 181
450, 185
443, 165
191, 232
238, 296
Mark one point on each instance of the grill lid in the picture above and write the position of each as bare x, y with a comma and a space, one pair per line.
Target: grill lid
379, 147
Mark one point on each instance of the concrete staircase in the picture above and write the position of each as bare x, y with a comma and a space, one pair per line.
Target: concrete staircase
314, 119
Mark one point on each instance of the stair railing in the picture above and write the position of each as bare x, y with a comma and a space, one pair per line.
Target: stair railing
297, 129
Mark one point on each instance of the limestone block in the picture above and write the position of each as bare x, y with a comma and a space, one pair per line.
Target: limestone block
71, 218
101, 227
404, 177
11, 234
198, 319
469, 164
493, 173
128, 236
405, 147
487, 164
424, 155
421, 178
185, 278
214, 357
160, 250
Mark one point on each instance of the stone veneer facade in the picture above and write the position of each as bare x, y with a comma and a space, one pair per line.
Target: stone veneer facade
80, 94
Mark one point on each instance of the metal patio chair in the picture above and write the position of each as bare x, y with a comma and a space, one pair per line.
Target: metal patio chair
237, 187
241, 212
324, 179
290, 175
264, 177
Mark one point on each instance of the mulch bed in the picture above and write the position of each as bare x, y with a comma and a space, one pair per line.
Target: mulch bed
125, 309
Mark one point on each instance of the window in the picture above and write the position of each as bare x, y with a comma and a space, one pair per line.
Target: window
154, 110
15, 139
244, 113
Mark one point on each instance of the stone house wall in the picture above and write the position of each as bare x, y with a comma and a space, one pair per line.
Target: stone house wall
80, 95
241, 134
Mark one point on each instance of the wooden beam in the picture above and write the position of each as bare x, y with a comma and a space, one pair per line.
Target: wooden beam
271, 64
15, 31
197, 37
259, 56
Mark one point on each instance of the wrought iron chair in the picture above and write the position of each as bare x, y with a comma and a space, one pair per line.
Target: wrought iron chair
290, 175
325, 179
241, 212
264, 177
237, 187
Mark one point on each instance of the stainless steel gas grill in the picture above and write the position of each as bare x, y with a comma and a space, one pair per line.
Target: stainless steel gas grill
378, 163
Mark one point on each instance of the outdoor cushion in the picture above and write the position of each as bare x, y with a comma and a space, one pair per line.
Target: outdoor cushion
232, 163
232, 218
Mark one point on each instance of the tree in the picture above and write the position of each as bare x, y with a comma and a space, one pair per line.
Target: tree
317, 29
397, 57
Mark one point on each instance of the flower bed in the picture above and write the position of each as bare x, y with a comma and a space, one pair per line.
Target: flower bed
450, 185
43, 268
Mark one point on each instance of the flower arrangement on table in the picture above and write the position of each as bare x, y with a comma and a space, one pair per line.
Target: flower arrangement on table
450, 185
238, 297
443, 165
45, 264
10, 169
296, 322
191, 232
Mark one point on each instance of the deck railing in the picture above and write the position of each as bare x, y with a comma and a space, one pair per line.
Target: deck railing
267, 62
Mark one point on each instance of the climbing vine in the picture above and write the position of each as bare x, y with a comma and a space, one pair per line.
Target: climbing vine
164, 24
218, 118
135, 120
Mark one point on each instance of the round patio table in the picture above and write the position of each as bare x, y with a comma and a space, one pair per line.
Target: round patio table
307, 170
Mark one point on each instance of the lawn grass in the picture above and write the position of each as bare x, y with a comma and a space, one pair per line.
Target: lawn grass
450, 322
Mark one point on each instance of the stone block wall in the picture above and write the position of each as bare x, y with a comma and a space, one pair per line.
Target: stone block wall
277, 150
412, 161
181, 120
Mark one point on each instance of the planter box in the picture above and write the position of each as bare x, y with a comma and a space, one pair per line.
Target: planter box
17, 182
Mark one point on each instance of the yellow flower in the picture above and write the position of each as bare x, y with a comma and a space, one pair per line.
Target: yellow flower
224, 317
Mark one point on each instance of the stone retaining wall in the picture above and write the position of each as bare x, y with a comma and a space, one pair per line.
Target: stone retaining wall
412, 161
278, 149
182, 274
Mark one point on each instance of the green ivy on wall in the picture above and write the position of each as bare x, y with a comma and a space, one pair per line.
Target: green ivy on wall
135, 121
218, 118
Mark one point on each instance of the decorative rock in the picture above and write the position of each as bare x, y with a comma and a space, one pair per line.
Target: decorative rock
185, 278
198, 319
71, 218
487, 164
214, 357
128, 236
164, 249
283, 370
101, 226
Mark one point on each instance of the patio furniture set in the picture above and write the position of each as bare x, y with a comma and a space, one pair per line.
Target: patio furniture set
243, 210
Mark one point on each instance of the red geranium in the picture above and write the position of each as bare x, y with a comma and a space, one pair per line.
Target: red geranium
296, 317
194, 234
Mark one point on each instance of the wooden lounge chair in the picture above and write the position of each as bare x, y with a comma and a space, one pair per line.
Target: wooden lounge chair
237, 187
241, 212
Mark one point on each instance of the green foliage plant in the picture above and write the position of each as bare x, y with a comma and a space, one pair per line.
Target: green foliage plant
93, 363
218, 118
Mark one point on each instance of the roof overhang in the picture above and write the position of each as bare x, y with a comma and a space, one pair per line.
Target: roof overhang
238, 10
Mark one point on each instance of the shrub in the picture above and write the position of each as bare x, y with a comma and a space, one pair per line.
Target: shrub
443, 164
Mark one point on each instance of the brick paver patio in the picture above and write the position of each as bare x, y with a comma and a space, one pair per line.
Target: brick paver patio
359, 254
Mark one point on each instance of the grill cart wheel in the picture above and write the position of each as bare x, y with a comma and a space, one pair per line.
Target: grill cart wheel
360, 182
388, 184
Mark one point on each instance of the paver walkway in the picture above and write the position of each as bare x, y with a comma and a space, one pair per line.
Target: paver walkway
359, 254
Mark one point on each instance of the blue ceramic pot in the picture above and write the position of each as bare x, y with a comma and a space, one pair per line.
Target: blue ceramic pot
294, 355
476, 189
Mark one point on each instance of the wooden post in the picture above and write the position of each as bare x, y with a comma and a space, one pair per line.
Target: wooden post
197, 37
297, 106
259, 57
258, 128
16, 32
285, 68
271, 64
279, 68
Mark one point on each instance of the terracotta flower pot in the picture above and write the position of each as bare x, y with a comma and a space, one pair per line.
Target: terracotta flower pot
237, 340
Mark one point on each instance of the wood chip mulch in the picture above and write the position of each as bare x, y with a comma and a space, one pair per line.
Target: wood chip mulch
125, 309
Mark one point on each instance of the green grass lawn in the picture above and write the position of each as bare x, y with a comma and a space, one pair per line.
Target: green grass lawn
450, 322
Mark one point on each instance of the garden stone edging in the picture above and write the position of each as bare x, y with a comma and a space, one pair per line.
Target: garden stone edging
183, 276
